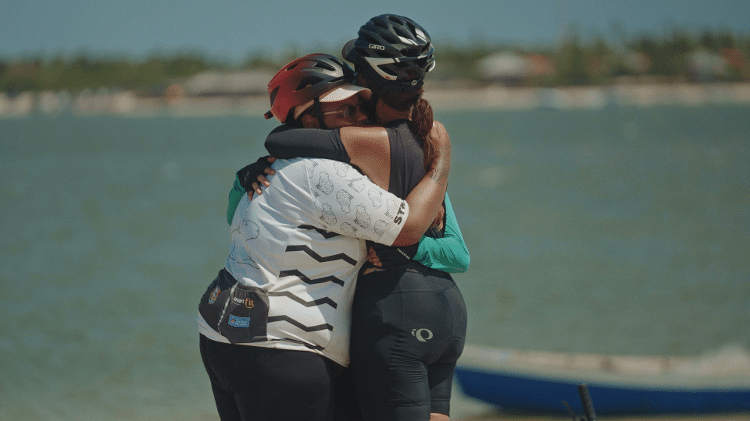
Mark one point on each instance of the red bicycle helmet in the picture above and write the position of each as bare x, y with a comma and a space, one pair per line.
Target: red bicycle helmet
303, 80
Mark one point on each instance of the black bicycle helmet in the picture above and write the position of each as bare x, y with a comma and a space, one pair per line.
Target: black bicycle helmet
303, 80
393, 51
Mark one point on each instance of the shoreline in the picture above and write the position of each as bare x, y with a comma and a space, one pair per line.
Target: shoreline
493, 97
590, 97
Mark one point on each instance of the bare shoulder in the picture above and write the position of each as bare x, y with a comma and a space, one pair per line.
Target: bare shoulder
369, 150
363, 134
439, 133
372, 141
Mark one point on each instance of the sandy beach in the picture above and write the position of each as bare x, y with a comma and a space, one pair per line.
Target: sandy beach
499, 97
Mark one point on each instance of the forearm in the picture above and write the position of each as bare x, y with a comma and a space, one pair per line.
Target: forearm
425, 199
443, 254
448, 253
288, 142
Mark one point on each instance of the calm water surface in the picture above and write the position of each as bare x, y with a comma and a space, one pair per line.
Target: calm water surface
620, 230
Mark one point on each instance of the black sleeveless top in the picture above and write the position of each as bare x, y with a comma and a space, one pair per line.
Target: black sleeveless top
407, 167
407, 159
407, 170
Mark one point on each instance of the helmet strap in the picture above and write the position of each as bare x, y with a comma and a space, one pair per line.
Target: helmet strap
319, 113
373, 109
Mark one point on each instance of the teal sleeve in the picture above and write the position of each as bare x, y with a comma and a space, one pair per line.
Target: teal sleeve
447, 254
235, 195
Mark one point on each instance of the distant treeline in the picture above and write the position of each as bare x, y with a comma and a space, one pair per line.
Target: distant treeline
679, 56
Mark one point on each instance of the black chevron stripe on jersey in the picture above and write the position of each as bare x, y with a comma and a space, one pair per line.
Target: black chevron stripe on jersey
316, 256
324, 233
289, 320
315, 303
309, 281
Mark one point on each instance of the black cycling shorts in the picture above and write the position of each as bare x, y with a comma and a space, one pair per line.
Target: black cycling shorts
254, 383
408, 330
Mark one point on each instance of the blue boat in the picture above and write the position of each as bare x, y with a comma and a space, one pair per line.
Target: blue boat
539, 382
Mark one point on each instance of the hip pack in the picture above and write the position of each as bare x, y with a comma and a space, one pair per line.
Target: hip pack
237, 312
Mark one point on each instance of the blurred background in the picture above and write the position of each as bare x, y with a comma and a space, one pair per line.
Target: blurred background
600, 178
90, 56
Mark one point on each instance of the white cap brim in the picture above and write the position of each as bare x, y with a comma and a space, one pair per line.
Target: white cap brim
339, 94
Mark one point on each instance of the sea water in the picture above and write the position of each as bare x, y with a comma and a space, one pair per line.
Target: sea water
620, 230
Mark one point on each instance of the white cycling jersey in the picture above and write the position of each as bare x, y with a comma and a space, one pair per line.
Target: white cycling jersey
302, 243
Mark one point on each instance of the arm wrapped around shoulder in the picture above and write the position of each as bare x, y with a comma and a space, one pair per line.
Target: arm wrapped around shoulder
288, 142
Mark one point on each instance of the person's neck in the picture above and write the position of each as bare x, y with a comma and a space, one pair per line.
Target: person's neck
386, 114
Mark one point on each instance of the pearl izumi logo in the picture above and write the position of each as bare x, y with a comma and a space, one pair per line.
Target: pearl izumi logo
422, 335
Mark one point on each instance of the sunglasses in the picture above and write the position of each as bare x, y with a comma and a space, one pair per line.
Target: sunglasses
347, 112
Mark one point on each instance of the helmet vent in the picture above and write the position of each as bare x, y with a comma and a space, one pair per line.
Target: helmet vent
273, 94
308, 81
380, 23
395, 20
400, 31
326, 66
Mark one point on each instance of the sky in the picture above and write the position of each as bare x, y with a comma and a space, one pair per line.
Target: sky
236, 29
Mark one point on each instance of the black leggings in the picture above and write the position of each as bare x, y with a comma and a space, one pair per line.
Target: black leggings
408, 330
266, 384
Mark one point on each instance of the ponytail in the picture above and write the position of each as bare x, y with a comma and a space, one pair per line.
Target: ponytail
420, 125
